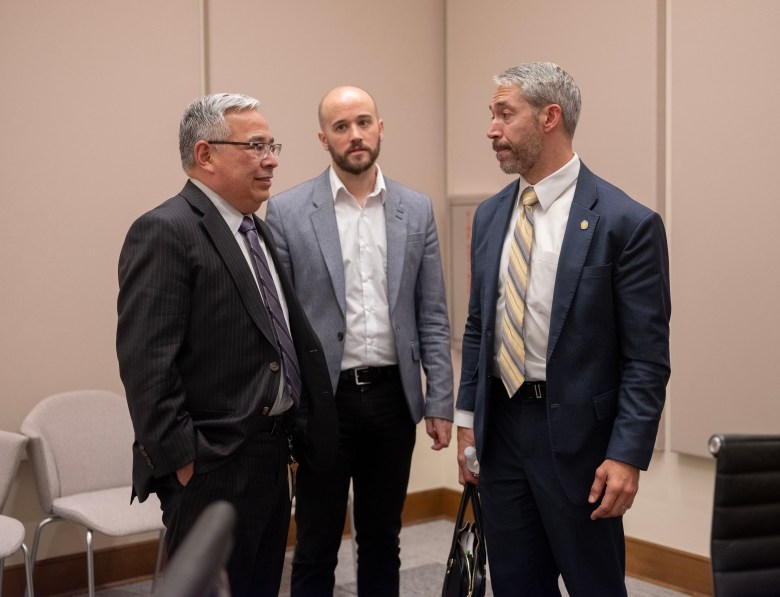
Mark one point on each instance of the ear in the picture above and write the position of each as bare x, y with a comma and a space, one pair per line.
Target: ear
204, 156
551, 117
323, 139
381, 129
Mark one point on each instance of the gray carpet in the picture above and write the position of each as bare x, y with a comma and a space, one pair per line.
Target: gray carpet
424, 548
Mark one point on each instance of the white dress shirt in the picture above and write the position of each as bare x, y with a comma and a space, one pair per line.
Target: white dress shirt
233, 219
369, 339
555, 193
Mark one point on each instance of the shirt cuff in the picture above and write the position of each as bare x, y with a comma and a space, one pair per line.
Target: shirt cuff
464, 418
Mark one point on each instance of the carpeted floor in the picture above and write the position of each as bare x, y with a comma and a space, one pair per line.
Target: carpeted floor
424, 549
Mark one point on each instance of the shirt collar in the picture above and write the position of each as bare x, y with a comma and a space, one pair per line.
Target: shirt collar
231, 215
336, 185
553, 186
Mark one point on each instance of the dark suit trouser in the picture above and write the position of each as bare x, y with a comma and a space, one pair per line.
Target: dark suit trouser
376, 440
533, 532
255, 481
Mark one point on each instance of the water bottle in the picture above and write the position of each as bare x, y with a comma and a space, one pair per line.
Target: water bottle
471, 459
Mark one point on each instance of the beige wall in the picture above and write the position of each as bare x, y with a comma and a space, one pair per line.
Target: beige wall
92, 94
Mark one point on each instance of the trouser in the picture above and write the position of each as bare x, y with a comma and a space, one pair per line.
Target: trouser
533, 532
255, 482
376, 440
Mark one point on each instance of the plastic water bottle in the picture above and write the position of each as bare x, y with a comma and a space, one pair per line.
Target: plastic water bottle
471, 459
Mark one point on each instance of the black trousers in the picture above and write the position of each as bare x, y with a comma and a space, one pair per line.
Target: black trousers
533, 532
376, 440
255, 481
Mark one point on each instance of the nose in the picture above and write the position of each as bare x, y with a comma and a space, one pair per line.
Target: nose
493, 132
270, 161
355, 134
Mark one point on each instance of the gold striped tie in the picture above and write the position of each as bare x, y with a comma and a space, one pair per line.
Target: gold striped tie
511, 356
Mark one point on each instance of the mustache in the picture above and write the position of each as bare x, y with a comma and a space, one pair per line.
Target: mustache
499, 147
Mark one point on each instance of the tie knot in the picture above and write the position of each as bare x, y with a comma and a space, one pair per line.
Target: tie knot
247, 224
528, 196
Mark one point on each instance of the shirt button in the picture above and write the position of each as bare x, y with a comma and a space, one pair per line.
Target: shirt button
274, 366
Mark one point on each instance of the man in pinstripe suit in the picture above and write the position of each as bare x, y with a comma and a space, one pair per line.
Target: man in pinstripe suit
206, 382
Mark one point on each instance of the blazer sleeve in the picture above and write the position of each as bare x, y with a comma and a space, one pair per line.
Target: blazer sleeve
643, 309
472, 333
433, 326
153, 308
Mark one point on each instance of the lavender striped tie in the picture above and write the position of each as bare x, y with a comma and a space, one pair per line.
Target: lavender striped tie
270, 296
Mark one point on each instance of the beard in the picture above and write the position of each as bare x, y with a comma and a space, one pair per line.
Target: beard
525, 153
342, 159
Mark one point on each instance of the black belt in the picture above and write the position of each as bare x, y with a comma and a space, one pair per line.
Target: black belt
275, 424
362, 376
532, 390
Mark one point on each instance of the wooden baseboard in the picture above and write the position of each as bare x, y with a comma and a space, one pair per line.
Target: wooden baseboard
67, 575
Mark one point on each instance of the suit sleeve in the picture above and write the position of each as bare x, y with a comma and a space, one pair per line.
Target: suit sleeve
643, 309
153, 308
433, 326
472, 333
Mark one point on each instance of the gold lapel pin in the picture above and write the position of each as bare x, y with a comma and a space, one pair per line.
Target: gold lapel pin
584, 224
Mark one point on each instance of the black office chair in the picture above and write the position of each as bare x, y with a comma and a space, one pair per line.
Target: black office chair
745, 543
197, 569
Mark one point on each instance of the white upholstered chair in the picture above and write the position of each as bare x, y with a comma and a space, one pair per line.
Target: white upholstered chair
11, 530
80, 447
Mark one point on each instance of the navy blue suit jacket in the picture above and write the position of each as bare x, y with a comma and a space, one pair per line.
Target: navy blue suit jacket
608, 348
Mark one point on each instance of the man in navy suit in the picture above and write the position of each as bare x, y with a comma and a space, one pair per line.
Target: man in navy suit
213, 403
560, 455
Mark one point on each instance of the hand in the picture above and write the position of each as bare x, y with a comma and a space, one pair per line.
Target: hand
440, 431
621, 481
465, 438
184, 474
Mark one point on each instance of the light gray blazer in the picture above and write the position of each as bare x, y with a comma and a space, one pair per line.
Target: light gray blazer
303, 222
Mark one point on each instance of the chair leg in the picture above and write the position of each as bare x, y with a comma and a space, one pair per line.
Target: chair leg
158, 564
90, 565
27, 572
2, 569
34, 553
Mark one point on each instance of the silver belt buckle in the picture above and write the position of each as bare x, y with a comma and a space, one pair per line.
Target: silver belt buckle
538, 391
356, 372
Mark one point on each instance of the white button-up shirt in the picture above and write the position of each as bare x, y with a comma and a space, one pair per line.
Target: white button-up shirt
369, 339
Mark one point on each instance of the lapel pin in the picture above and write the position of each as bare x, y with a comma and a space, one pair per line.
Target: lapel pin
584, 224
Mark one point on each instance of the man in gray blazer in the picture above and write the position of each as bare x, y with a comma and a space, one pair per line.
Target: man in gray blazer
363, 254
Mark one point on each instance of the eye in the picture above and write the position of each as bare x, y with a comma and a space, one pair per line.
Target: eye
340, 128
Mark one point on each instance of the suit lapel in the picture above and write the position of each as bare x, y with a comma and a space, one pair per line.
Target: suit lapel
323, 219
576, 242
225, 244
396, 231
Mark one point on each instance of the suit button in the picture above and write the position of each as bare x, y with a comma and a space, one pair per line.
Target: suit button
266, 410
274, 366
340, 336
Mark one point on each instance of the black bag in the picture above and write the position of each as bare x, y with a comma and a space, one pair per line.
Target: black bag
465, 575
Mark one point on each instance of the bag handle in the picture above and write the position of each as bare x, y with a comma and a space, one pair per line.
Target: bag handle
466, 497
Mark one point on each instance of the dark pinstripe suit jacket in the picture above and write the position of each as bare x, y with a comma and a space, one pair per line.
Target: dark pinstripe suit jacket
196, 350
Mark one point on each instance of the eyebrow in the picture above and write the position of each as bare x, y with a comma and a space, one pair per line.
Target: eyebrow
261, 139
499, 104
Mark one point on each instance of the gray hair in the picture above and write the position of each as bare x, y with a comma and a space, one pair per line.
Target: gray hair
544, 83
204, 119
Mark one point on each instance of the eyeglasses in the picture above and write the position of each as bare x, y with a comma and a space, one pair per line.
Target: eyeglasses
262, 150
